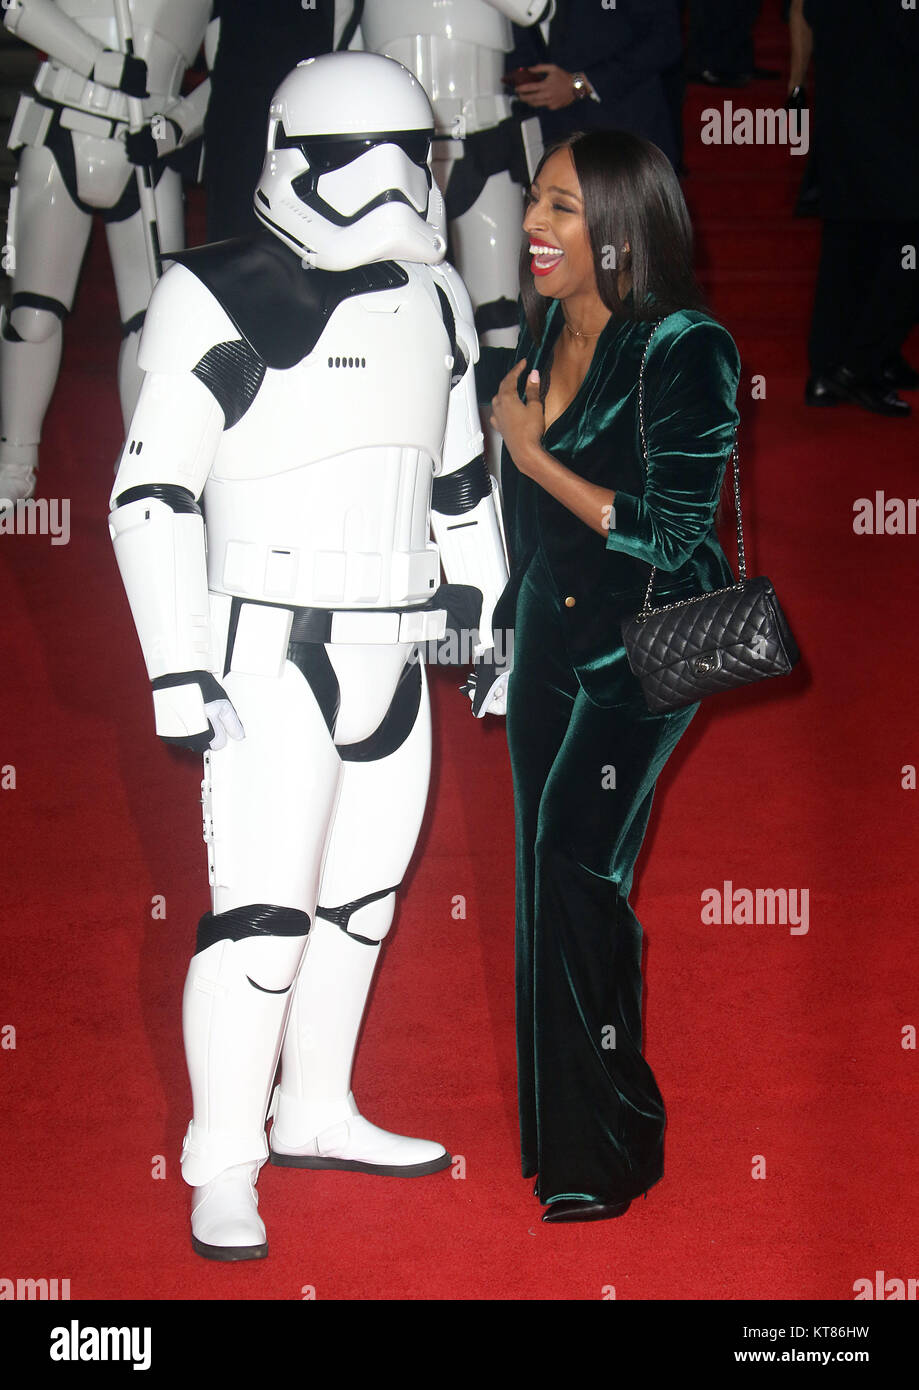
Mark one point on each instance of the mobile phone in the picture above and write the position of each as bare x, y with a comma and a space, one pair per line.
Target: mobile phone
521, 76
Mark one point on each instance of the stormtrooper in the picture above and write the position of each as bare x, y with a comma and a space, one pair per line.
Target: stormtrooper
80, 152
457, 49
307, 417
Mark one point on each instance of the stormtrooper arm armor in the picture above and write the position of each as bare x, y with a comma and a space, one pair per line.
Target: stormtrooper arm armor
465, 505
524, 12
156, 523
187, 113
43, 25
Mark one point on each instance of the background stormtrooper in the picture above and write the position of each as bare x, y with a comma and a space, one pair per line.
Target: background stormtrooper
309, 402
78, 158
482, 155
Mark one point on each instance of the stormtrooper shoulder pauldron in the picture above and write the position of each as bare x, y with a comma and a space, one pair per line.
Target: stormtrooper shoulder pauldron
275, 312
248, 306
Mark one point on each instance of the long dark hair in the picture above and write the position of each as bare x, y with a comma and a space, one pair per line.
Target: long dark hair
631, 194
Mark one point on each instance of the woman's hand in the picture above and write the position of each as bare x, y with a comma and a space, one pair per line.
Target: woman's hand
553, 91
521, 424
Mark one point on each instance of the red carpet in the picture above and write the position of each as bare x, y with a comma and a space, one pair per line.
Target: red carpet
771, 1047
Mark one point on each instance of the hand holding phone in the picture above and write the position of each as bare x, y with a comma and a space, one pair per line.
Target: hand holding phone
521, 77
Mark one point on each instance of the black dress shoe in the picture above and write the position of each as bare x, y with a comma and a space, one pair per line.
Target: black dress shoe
820, 391
842, 384
583, 1209
897, 373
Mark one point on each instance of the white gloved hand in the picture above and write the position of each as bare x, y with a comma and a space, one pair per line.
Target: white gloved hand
493, 700
194, 711
224, 720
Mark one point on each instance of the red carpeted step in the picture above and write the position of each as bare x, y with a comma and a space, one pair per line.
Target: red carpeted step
725, 245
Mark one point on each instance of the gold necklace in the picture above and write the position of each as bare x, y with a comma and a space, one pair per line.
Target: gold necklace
575, 334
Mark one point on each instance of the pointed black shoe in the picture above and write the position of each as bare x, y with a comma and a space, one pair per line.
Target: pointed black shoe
578, 1209
842, 384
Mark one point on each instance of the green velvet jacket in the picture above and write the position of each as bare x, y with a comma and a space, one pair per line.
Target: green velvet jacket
665, 518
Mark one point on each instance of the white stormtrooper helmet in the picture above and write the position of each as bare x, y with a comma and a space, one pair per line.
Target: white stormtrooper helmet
347, 177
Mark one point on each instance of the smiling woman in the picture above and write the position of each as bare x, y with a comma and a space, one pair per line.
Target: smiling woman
560, 254
607, 265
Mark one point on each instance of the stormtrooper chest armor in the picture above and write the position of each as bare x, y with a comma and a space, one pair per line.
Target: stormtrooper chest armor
319, 495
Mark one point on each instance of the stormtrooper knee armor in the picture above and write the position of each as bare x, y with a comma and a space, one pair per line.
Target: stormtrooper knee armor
307, 418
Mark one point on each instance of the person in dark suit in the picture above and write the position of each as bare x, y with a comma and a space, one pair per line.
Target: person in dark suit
603, 69
720, 47
610, 269
258, 46
866, 150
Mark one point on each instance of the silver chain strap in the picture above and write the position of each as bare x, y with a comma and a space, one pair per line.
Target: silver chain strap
646, 608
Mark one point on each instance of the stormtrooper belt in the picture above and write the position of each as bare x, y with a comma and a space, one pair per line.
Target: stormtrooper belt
375, 625
258, 633
45, 118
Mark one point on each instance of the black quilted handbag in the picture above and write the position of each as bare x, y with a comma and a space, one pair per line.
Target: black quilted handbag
713, 641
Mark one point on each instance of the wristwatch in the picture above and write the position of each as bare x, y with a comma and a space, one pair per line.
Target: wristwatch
580, 86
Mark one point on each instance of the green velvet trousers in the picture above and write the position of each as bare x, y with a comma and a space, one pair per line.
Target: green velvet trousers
591, 1115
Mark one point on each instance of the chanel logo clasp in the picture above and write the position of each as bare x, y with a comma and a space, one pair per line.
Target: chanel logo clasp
703, 665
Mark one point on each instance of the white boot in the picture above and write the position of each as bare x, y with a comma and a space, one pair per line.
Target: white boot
225, 1224
357, 1146
18, 463
29, 366
316, 1121
236, 998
